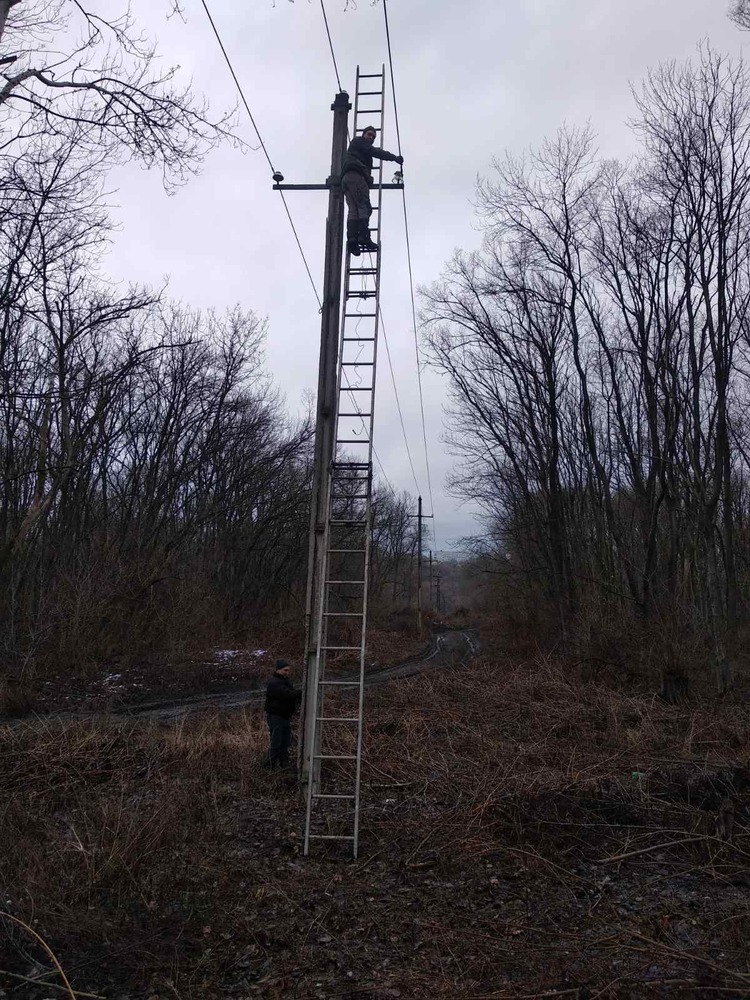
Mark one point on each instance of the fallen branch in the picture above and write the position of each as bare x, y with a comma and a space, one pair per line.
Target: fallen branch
668, 843
53, 958
687, 956
38, 981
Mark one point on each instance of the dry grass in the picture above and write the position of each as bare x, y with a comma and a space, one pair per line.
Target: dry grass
523, 834
132, 680
16, 700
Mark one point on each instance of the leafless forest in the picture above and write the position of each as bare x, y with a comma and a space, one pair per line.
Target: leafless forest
155, 497
537, 821
597, 348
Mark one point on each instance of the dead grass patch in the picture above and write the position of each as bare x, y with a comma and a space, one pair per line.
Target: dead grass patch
522, 833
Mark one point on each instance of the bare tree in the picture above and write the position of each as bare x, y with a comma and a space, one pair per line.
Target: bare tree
597, 352
739, 12
95, 81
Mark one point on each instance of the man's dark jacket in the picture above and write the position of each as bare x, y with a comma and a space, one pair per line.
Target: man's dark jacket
281, 697
359, 157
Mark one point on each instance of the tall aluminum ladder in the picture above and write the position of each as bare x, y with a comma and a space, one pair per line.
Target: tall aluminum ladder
333, 789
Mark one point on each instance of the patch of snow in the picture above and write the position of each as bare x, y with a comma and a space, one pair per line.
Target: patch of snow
227, 654
257, 653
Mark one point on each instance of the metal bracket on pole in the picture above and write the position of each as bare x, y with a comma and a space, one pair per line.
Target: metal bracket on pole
331, 184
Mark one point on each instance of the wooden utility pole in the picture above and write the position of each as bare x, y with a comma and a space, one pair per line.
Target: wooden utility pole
419, 567
325, 424
420, 517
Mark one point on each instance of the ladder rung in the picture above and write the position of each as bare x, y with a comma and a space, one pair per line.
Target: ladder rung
348, 496
356, 364
358, 413
360, 315
348, 648
369, 111
360, 582
335, 756
348, 684
347, 550
363, 270
345, 614
328, 836
369, 76
352, 440
370, 93
358, 388
334, 718
346, 520
330, 795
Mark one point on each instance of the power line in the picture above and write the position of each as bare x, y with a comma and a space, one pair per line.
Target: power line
364, 427
262, 145
398, 402
273, 170
395, 392
330, 45
411, 275
385, 338
383, 472
302, 252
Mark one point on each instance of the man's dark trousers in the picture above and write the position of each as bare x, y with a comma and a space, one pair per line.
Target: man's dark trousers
357, 193
281, 739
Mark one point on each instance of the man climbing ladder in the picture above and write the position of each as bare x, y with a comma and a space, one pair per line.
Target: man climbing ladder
355, 183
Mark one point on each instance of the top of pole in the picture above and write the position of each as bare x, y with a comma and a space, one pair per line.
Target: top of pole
341, 101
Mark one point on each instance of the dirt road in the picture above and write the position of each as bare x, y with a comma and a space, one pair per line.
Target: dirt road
450, 647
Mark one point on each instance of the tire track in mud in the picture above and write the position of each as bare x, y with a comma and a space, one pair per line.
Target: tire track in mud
451, 647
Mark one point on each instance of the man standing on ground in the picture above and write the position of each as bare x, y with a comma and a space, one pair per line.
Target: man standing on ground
281, 703
356, 181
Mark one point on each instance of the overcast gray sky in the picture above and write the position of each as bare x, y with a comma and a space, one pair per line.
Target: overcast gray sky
473, 78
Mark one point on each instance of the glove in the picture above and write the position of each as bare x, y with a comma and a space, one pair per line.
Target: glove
400, 160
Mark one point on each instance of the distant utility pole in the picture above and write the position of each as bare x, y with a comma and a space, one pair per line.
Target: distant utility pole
435, 576
420, 517
419, 568
5, 6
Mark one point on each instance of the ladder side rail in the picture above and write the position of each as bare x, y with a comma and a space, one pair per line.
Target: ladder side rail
347, 255
368, 502
343, 382
343, 388
313, 780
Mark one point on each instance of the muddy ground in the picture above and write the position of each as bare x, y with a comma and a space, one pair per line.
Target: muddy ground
523, 835
219, 676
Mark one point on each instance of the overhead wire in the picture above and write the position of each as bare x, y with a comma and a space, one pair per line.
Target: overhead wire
382, 322
398, 401
410, 270
262, 146
273, 169
330, 45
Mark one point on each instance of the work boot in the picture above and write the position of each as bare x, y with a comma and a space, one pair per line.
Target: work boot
352, 237
364, 237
